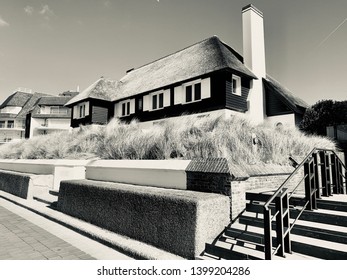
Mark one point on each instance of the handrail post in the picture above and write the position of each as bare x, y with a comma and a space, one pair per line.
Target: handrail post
283, 224
339, 176
267, 234
334, 181
328, 173
310, 192
323, 172
316, 175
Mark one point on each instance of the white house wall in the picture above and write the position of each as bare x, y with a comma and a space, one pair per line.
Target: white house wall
11, 110
287, 120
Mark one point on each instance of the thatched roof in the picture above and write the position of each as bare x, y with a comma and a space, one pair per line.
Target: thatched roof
295, 103
103, 89
202, 58
17, 99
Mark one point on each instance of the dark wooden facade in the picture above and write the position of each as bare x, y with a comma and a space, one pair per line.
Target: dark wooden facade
221, 98
100, 112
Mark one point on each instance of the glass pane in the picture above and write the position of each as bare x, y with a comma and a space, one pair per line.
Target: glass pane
188, 93
10, 124
161, 100
123, 109
197, 91
128, 108
234, 85
154, 102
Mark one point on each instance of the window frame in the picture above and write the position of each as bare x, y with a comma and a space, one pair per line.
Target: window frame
126, 108
82, 111
10, 122
238, 91
193, 85
157, 96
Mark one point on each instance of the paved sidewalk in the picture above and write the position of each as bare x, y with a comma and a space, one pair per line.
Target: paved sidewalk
25, 235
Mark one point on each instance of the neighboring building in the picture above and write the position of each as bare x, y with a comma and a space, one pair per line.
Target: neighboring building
13, 112
48, 115
206, 78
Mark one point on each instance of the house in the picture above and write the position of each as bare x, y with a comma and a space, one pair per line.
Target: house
208, 77
49, 115
13, 113
94, 104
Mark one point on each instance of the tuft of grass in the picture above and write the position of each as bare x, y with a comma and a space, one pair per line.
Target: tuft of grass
188, 138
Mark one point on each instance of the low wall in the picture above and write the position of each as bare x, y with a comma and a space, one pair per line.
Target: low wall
24, 185
157, 173
60, 169
178, 221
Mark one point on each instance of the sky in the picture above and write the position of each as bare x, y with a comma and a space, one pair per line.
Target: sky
53, 46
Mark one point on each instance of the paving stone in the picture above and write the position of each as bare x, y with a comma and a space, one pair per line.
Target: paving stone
22, 240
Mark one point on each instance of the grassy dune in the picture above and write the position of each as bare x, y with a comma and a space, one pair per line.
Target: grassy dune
186, 139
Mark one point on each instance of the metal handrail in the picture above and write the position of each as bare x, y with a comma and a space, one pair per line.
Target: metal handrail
271, 199
281, 190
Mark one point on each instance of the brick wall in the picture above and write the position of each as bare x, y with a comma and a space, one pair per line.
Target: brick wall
217, 176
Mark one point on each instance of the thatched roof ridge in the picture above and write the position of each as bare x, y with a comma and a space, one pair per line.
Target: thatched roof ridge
295, 103
199, 59
103, 89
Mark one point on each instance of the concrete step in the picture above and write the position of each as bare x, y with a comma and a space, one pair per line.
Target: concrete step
233, 251
46, 198
323, 203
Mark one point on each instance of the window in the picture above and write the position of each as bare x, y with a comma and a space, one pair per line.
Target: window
58, 110
2, 124
236, 85
82, 111
10, 124
126, 108
193, 92
157, 101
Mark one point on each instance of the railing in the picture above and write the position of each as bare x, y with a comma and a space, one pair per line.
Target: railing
329, 178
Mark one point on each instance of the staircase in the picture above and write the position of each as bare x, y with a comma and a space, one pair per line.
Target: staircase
281, 224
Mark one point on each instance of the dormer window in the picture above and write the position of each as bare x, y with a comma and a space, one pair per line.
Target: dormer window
236, 85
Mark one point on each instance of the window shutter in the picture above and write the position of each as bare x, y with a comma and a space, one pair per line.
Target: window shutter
87, 108
132, 106
167, 98
75, 112
178, 95
205, 88
146, 102
117, 110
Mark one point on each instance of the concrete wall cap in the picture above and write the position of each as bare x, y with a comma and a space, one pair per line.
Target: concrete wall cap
140, 164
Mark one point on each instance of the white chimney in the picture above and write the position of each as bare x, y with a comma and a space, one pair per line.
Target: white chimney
254, 59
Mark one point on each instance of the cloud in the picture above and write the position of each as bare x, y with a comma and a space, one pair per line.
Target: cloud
29, 10
46, 12
3, 23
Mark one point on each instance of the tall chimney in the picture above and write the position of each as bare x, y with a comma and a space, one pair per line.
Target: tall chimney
254, 59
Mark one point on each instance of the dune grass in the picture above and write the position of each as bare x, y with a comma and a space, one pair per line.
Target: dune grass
192, 137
